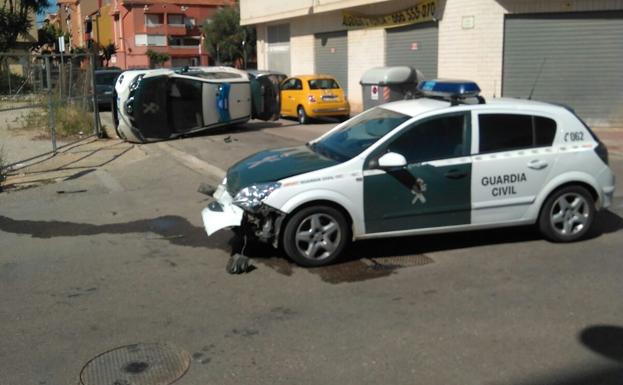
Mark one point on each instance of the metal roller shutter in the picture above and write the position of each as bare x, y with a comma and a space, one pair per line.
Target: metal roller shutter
580, 55
331, 56
414, 45
279, 48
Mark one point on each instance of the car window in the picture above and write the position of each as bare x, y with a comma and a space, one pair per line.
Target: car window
441, 137
286, 85
323, 84
359, 133
506, 132
544, 131
298, 84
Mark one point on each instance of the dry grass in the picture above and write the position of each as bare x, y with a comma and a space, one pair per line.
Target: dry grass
70, 120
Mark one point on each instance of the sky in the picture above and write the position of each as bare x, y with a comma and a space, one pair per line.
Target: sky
52, 8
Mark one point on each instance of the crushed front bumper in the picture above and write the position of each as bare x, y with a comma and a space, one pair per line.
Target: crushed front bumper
221, 213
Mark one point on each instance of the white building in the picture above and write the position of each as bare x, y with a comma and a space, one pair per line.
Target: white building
571, 49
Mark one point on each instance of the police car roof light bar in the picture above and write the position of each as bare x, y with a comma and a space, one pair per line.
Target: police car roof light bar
454, 91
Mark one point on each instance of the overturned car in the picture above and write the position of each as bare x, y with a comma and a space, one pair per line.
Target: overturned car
152, 105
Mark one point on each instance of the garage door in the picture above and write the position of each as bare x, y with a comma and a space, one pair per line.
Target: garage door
578, 57
279, 48
331, 56
414, 45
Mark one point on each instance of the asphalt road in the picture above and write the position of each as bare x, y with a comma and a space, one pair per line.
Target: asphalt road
120, 258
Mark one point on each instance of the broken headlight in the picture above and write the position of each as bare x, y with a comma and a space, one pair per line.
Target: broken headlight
251, 197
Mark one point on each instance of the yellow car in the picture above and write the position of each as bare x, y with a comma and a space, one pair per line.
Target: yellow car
313, 96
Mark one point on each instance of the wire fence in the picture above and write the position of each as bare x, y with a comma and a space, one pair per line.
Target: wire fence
51, 97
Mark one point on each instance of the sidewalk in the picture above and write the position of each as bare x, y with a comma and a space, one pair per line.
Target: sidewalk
70, 162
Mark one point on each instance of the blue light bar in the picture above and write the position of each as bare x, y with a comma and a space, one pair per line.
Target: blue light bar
449, 88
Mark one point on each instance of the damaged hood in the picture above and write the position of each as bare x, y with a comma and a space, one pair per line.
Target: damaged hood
274, 165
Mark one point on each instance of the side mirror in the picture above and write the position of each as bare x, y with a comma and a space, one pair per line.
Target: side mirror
392, 161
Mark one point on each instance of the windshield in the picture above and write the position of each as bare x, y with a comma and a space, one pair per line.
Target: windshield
359, 133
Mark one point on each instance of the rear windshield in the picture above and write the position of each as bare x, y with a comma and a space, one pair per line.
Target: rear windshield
105, 79
323, 84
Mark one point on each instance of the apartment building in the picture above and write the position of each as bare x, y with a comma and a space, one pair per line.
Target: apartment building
135, 26
570, 49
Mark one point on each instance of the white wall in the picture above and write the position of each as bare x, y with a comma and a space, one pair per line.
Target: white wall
366, 49
471, 41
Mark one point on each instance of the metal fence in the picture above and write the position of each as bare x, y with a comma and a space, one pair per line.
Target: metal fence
46, 96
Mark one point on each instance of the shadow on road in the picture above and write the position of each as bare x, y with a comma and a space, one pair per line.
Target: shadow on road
370, 259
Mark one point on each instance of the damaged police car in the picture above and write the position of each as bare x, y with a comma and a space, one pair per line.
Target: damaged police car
151, 105
447, 161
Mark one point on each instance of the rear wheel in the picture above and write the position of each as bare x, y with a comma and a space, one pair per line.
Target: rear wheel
567, 214
315, 236
302, 116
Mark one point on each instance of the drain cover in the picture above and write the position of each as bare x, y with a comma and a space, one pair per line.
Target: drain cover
140, 364
398, 261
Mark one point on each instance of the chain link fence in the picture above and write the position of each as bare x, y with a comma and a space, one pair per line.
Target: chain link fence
46, 102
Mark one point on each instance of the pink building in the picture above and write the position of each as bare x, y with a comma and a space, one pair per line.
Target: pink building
168, 26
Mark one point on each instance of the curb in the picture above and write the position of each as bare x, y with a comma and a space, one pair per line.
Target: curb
192, 162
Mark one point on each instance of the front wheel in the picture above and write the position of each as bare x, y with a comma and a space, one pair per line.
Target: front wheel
315, 236
567, 214
302, 116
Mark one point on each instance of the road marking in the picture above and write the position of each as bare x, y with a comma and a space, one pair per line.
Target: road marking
193, 162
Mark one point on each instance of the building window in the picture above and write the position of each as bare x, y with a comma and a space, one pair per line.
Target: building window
176, 20
155, 40
184, 41
153, 19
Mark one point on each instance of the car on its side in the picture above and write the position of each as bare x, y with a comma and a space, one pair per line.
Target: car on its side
105, 80
162, 104
313, 96
447, 161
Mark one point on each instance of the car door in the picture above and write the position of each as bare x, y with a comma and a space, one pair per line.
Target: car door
265, 96
512, 165
433, 189
291, 88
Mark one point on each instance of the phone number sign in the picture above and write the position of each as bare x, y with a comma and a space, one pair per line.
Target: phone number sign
419, 13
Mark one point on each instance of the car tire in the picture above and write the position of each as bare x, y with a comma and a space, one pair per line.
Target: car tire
302, 115
567, 214
315, 236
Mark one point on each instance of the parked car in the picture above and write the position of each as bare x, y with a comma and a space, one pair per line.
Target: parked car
448, 161
313, 96
105, 86
161, 104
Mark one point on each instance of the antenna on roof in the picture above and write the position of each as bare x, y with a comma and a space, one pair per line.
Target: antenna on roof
537, 78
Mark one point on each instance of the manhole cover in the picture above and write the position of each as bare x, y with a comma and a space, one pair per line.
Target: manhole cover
140, 364
399, 261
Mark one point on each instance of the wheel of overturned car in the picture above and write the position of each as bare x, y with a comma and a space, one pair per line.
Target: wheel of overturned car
567, 214
315, 236
302, 115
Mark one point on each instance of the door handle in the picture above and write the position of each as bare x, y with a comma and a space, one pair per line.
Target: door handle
537, 164
455, 174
